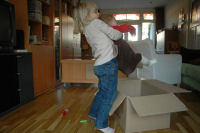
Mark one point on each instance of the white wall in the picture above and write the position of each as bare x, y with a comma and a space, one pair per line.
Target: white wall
172, 10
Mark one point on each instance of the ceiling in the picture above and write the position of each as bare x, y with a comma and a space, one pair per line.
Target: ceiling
125, 4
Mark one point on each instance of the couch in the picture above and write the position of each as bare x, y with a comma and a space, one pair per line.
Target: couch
167, 68
190, 76
190, 73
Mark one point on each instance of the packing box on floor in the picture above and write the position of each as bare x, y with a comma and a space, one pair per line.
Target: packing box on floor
142, 105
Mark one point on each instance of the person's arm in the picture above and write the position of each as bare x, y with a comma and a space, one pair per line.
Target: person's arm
124, 28
108, 30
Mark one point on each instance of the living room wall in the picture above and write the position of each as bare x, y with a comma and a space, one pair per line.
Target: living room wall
172, 10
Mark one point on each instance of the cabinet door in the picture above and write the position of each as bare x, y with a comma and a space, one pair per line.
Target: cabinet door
25, 76
9, 95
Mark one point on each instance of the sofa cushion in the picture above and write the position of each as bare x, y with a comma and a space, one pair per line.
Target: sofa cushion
192, 71
195, 61
189, 54
190, 83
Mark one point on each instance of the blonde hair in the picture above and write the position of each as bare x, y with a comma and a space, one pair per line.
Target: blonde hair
80, 15
106, 18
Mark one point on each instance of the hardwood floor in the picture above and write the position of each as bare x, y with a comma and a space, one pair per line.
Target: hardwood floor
43, 115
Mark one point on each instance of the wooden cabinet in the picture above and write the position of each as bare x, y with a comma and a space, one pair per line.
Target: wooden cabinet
41, 21
167, 42
43, 54
80, 71
16, 80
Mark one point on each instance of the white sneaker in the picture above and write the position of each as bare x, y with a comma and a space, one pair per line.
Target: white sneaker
107, 130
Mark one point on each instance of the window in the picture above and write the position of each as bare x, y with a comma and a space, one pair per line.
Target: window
120, 16
143, 23
124, 36
148, 31
148, 16
133, 38
134, 16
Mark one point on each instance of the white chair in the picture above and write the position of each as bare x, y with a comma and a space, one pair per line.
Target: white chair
167, 68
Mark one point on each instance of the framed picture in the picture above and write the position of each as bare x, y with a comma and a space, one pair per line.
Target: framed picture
195, 14
181, 18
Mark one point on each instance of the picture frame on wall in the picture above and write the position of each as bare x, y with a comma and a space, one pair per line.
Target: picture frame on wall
181, 18
195, 13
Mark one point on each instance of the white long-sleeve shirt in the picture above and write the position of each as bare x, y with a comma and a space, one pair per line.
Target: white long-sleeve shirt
99, 36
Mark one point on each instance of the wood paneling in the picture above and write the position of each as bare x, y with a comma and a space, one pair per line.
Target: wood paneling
80, 71
67, 50
21, 15
76, 71
43, 68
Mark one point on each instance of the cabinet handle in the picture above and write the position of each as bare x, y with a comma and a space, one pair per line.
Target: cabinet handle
18, 74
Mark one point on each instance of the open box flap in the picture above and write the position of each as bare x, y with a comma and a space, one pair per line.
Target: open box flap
117, 102
157, 104
166, 87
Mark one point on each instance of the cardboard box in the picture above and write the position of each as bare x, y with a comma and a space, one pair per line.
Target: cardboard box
143, 105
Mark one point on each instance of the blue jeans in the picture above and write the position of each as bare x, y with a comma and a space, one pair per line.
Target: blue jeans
108, 76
